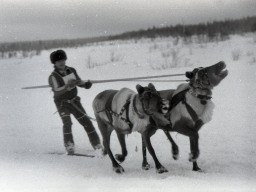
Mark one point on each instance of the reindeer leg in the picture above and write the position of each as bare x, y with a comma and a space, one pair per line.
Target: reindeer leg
194, 142
175, 148
104, 152
116, 167
146, 137
186, 128
145, 164
106, 130
121, 138
194, 151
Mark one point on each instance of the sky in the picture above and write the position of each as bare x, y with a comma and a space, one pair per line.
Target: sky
26, 20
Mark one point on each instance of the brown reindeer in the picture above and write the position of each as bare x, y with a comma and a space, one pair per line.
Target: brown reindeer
126, 111
191, 107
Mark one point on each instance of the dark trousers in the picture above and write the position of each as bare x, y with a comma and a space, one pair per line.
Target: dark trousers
75, 108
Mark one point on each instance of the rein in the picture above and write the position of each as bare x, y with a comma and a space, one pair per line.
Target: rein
72, 102
121, 79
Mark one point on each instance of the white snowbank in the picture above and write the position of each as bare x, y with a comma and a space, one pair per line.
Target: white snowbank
30, 133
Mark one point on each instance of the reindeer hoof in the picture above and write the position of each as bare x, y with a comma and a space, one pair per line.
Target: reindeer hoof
161, 170
145, 166
118, 169
120, 157
197, 169
175, 156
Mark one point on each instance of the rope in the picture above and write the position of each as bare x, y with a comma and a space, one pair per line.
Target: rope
147, 80
121, 79
135, 78
84, 114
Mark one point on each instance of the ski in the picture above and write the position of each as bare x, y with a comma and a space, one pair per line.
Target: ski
82, 155
75, 154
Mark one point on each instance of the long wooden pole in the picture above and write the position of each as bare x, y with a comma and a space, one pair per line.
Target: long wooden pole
115, 80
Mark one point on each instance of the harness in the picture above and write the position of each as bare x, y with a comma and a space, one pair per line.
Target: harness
203, 98
72, 102
110, 113
181, 97
130, 101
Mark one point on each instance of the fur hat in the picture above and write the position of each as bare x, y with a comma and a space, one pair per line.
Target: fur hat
57, 56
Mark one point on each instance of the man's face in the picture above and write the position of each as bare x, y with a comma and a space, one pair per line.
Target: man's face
61, 64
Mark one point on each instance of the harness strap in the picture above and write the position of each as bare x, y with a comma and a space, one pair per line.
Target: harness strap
71, 101
176, 99
191, 111
127, 113
108, 106
124, 108
204, 97
181, 97
109, 115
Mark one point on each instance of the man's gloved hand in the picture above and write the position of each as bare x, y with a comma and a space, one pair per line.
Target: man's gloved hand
88, 84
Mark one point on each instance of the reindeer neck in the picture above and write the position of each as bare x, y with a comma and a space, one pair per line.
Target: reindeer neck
202, 94
137, 106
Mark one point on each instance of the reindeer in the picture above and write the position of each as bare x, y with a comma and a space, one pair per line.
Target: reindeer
126, 111
190, 108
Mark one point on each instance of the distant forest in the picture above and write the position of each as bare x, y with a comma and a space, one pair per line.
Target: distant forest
217, 29
211, 29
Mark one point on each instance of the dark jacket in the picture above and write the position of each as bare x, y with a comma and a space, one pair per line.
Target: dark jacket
61, 82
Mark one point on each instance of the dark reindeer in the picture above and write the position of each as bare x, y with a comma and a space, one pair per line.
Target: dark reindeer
190, 108
126, 111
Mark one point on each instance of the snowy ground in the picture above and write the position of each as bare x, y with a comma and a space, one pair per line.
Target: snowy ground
30, 133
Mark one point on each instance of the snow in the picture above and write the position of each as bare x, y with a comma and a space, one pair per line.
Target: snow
32, 156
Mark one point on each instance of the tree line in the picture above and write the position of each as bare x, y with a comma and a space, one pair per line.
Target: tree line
220, 29
47, 44
212, 29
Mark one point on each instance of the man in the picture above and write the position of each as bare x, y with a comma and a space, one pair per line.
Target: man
63, 81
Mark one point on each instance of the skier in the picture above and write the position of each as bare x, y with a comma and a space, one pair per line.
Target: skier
63, 81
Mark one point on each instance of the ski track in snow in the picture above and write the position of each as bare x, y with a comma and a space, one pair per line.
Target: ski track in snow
30, 133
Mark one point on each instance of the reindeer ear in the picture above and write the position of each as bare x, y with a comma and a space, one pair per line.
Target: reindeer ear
189, 75
151, 86
140, 89
221, 63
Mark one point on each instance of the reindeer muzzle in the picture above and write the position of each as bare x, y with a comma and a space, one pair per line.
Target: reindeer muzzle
165, 106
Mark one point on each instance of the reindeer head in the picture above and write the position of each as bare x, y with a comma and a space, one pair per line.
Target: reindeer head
152, 103
207, 77
150, 98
